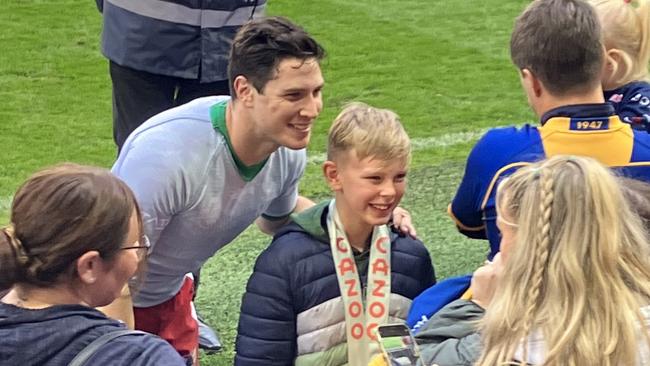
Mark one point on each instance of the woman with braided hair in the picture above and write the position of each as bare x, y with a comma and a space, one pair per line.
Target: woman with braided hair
74, 242
571, 285
576, 278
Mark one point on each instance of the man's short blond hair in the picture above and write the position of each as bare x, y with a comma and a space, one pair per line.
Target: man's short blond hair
370, 132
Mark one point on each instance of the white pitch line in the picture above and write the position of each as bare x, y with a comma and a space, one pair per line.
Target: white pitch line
423, 143
418, 144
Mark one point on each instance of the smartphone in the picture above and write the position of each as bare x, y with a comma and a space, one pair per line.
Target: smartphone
397, 344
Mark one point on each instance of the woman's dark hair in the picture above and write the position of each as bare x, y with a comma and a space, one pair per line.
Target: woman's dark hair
57, 215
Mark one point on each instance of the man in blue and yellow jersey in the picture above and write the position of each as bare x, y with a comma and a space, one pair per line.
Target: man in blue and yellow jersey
559, 59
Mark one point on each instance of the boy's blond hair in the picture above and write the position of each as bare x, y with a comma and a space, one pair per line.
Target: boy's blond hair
370, 132
626, 27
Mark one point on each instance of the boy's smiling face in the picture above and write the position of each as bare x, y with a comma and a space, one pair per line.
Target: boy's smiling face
367, 190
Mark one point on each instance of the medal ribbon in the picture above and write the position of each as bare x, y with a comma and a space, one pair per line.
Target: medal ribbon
361, 321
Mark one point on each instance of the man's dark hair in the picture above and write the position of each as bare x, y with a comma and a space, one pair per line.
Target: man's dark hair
261, 44
560, 42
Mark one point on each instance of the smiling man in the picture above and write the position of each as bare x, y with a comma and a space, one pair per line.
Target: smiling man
206, 170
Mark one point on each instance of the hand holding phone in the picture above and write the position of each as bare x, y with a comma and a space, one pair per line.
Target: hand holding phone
398, 345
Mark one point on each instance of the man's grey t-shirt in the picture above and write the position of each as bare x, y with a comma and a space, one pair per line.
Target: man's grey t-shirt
192, 196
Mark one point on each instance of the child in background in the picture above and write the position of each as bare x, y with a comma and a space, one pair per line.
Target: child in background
319, 291
626, 30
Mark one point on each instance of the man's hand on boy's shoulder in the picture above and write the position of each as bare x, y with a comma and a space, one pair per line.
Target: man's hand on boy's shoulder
402, 222
270, 226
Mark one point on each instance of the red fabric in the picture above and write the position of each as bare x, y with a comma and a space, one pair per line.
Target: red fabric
173, 321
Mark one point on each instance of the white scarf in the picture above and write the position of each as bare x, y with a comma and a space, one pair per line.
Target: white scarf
361, 322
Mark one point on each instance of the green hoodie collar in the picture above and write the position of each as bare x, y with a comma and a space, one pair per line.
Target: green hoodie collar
311, 220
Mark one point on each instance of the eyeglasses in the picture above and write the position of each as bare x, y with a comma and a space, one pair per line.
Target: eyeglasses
143, 243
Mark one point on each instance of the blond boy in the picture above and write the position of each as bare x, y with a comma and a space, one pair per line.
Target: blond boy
331, 277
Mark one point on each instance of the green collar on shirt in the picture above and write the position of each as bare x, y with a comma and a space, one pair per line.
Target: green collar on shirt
218, 117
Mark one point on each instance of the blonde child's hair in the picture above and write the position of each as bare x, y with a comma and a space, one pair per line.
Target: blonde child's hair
626, 27
578, 273
369, 132
637, 194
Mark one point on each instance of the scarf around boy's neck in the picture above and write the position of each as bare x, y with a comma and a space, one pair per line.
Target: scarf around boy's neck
361, 322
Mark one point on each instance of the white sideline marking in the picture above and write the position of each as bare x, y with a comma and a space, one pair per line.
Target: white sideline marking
423, 143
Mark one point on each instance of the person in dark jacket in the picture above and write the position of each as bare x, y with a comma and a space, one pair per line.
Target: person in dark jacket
74, 241
327, 280
166, 53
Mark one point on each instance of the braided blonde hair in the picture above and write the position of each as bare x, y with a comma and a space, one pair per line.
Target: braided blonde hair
578, 273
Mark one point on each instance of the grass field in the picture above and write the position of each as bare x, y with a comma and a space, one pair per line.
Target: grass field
442, 65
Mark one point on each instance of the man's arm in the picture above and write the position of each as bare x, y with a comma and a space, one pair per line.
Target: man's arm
279, 211
270, 226
465, 209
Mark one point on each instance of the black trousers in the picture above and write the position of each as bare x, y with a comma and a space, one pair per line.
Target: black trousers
139, 95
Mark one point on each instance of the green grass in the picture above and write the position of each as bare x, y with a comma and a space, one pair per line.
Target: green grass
442, 65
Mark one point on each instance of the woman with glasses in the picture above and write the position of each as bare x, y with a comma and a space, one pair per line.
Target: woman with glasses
74, 241
122, 307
